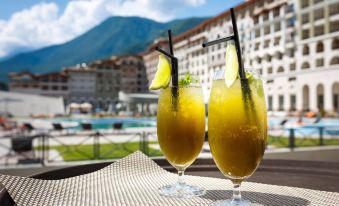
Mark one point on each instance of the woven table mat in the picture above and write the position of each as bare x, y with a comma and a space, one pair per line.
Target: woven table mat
135, 179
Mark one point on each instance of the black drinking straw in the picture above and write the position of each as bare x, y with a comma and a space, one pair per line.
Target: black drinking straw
174, 61
237, 45
218, 41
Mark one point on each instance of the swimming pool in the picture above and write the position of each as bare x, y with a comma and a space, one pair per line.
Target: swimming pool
106, 123
309, 127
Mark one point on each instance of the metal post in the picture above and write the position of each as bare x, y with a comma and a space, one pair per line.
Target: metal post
96, 146
141, 142
46, 150
145, 143
291, 144
321, 135
43, 150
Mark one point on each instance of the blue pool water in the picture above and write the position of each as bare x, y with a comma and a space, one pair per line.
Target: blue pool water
106, 123
308, 127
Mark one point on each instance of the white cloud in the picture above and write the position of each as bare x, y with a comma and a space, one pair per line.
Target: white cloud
43, 24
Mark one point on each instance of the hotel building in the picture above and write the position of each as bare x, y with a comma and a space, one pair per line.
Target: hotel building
81, 84
293, 43
52, 84
98, 83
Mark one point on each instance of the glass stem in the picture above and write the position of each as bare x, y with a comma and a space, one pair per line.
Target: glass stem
236, 194
181, 174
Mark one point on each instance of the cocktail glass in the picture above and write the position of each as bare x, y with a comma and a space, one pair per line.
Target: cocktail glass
181, 133
237, 129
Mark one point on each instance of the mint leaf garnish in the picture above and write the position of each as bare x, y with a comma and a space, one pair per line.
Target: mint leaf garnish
187, 80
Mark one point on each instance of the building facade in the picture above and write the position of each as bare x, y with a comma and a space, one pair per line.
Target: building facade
107, 83
293, 43
54, 84
132, 71
24, 82
123, 73
81, 85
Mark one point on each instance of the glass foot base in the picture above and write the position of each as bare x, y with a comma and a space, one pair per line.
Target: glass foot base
181, 191
234, 203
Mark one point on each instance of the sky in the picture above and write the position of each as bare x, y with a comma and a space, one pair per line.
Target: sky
32, 24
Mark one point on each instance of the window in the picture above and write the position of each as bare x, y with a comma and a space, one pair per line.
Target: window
318, 14
293, 102
334, 9
270, 103
267, 29
265, 16
306, 50
292, 67
305, 66
291, 79
291, 52
279, 55
320, 62
289, 8
334, 60
269, 58
55, 88
319, 30
280, 70
305, 18
257, 32
276, 12
305, 34
256, 46
320, 47
290, 22
334, 26
335, 44
266, 43
276, 41
281, 102
277, 27
304, 3
270, 70
45, 88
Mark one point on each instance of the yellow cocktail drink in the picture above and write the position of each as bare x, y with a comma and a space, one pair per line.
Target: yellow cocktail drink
181, 124
237, 127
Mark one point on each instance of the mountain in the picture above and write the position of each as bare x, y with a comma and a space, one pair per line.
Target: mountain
114, 36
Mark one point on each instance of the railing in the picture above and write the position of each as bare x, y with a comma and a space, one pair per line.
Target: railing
292, 137
44, 148
52, 148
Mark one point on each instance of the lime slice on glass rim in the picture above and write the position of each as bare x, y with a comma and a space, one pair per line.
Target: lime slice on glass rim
232, 65
162, 77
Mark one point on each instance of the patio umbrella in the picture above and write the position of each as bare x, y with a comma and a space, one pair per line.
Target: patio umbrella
74, 106
86, 105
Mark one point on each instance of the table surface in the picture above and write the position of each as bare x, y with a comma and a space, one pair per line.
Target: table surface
304, 174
